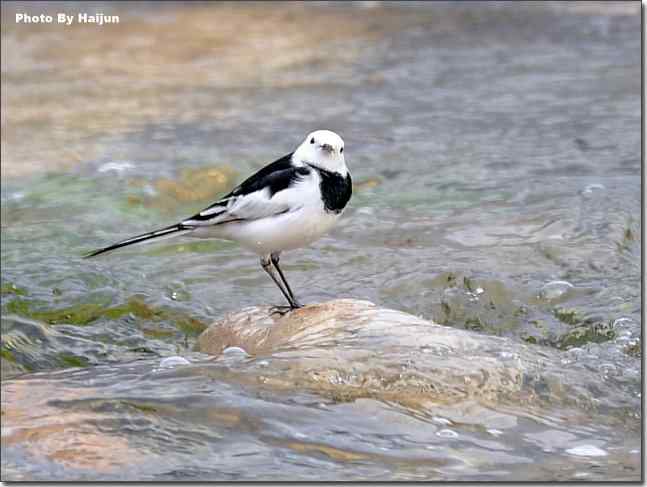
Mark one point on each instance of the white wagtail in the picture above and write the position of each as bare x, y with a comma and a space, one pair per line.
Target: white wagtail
288, 204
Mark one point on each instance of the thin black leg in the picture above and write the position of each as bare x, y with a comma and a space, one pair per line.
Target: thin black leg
275, 261
267, 267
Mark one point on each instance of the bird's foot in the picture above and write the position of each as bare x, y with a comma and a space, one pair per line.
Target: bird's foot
283, 310
280, 310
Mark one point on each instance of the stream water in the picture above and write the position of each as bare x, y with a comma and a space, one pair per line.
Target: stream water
495, 151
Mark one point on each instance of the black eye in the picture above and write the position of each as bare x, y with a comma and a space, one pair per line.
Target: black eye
312, 141
341, 150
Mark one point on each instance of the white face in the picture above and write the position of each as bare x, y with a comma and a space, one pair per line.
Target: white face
324, 149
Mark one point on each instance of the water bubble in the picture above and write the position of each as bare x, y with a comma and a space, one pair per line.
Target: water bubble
177, 293
587, 451
607, 368
446, 433
589, 188
555, 289
235, 351
508, 355
170, 362
495, 432
118, 166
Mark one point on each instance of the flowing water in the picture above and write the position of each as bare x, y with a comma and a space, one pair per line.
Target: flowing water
495, 151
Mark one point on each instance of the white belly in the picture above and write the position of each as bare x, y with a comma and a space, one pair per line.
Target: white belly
287, 231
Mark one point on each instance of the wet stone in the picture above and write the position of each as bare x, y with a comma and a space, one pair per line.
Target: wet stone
348, 349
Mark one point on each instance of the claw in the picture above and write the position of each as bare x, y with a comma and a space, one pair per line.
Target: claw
280, 310
283, 310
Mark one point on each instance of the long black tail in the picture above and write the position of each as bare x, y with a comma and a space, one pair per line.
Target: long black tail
172, 231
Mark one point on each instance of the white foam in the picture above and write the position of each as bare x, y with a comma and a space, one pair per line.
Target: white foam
587, 451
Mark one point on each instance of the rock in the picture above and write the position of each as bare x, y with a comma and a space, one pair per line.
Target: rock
348, 349
259, 332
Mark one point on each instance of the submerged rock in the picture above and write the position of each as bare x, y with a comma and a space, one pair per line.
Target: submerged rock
348, 349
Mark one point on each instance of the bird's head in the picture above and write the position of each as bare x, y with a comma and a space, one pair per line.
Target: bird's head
323, 149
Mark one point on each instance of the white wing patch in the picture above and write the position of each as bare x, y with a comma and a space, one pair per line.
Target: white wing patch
251, 206
216, 209
255, 205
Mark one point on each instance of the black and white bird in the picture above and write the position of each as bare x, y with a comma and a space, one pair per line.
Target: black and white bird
288, 204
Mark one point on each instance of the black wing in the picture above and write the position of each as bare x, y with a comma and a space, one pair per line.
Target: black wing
274, 177
271, 175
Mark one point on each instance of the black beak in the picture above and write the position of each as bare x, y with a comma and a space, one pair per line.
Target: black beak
327, 147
